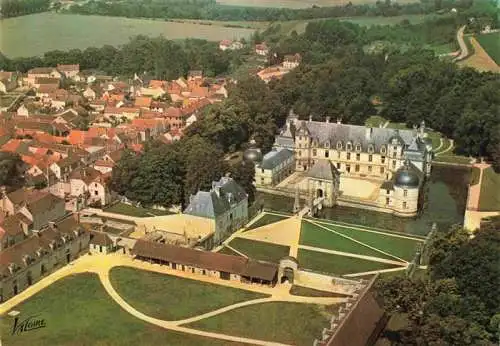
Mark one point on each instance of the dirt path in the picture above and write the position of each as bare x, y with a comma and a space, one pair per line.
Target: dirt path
480, 60
463, 47
475, 190
348, 254
450, 147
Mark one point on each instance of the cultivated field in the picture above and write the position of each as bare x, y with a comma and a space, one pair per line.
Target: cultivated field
35, 34
491, 44
299, 3
480, 60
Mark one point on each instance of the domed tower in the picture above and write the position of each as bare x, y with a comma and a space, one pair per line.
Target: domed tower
253, 153
407, 182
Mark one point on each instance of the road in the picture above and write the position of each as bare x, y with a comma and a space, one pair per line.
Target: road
464, 52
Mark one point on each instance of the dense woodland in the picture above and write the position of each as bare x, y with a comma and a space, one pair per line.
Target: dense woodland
456, 303
15, 8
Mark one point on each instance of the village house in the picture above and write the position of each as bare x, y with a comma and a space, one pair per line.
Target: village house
89, 93
230, 45
262, 49
7, 82
63, 168
41, 72
69, 71
90, 184
226, 203
38, 255
271, 73
292, 61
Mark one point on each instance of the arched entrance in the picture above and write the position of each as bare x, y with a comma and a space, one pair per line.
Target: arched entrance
68, 256
319, 193
287, 268
287, 276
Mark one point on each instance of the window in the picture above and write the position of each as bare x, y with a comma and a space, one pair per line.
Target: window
300, 153
339, 145
338, 165
395, 148
358, 157
405, 193
382, 159
381, 170
394, 164
404, 205
262, 170
300, 138
358, 147
349, 146
262, 180
348, 168
96, 192
370, 158
315, 152
382, 149
370, 148
356, 168
338, 154
394, 155
327, 153
348, 156
387, 201
388, 192
327, 144
369, 169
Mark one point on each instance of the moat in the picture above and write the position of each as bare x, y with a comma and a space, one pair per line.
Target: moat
445, 205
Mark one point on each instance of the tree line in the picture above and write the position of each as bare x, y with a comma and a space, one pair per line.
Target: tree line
456, 302
14, 8
210, 10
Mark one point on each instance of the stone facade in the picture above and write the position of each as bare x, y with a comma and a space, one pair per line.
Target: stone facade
274, 167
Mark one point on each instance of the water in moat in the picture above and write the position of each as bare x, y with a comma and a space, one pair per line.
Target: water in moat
445, 205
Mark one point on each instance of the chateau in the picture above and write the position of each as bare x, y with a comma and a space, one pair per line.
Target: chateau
380, 169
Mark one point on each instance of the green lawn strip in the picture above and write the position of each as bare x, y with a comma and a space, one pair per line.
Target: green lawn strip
260, 250
337, 264
491, 44
130, 210
311, 292
452, 158
291, 323
78, 311
401, 247
362, 227
375, 121
313, 235
266, 220
474, 176
435, 138
173, 298
489, 198
227, 251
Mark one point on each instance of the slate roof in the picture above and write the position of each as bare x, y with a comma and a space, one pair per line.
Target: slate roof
210, 204
323, 132
100, 238
275, 157
323, 169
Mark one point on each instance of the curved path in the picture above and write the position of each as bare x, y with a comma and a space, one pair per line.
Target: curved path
464, 52
450, 147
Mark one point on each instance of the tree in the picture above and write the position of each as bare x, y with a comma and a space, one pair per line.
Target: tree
11, 170
244, 174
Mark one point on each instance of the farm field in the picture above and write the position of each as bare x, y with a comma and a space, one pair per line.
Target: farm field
336, 264
69, 31
491, 44
191, 297
291, 323
480, 60
260, 250
298, 3
78, 311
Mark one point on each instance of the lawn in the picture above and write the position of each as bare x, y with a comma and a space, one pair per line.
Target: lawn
311, 292
78, 311
435, 138
266, 220
375, 121
227, 251
260, 250
296, 3
313, 235
489, 199
130, 210
99, 31
292, 323
474, 176
449, 157
336, 264
173, 298
401, 247
491, 44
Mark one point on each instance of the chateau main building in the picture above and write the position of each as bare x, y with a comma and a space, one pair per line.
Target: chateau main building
394, 162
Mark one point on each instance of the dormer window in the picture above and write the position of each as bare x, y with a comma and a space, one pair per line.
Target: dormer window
383, 149
358, 147
349, 146
327, 144
339, 145
371, 149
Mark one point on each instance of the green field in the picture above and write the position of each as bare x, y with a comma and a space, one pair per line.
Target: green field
401, 247
260, 250
337, 265
266, 220
130, 210
311, 292
297, 3
44, 32
313, 235
78, 311
292, 323
491, 44
489, 199
170, 297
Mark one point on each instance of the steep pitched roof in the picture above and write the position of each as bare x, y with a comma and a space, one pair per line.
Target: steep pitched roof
275, 158
323, 169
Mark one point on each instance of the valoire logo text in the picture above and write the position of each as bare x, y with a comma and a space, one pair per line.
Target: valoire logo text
30, 323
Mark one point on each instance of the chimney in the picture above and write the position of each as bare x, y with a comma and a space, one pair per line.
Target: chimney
310, 118
422, 128
368, 133
217, 190
339, 120
327, 120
